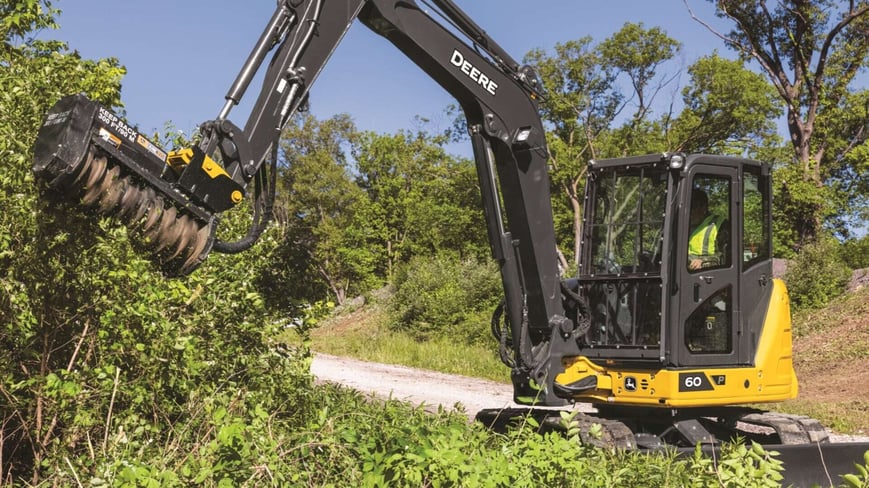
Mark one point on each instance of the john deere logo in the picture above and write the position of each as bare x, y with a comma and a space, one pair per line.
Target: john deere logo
630, 383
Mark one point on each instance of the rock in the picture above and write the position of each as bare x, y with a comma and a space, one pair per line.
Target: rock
859, 278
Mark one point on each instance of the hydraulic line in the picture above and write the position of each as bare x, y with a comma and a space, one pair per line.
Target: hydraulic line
262, 212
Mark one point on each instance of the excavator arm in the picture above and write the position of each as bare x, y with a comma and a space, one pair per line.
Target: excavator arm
174, 197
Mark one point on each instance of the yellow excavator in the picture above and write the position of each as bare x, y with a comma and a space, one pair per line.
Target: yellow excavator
674, 325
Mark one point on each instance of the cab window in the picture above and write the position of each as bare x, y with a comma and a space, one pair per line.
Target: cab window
755, 224
709, 236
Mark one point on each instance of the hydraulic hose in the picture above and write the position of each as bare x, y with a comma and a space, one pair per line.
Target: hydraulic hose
264, 199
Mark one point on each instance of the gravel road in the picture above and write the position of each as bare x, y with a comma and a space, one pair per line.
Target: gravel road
415, 386
429, 388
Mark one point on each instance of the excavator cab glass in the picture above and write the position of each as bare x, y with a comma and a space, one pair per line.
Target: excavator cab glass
621, 271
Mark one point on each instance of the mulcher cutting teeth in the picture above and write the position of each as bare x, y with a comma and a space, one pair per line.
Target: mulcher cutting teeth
85, 153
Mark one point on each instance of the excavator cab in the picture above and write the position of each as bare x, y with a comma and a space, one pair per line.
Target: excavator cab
677, 273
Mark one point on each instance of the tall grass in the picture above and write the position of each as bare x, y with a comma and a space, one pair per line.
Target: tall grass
366, 335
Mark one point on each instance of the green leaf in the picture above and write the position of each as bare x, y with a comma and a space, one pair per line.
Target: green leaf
853, 480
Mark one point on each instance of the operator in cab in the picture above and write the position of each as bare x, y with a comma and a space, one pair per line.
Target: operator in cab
703, 247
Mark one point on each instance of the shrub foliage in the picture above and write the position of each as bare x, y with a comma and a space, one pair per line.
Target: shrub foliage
104, 363
817, 275
443, 295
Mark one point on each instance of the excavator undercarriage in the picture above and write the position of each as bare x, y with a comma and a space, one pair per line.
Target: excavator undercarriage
639, 428
800, 443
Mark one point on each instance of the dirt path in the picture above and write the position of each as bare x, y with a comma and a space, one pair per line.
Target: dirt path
431, 388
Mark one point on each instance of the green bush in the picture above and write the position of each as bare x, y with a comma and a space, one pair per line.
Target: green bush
855, 252
442, 295
817, 275
106, 366
354, 442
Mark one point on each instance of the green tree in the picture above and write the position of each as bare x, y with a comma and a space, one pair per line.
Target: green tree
637, 53
583, 105
323, 250
728, 110
579, 105
18, 20
849, 175
420, 199
811, 51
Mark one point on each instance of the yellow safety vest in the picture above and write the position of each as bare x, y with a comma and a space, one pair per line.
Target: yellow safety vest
702, 241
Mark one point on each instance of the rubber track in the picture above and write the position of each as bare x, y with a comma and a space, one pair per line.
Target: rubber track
791, 429
613, 434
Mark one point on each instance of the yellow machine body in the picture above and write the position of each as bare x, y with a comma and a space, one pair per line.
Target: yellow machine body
770, 379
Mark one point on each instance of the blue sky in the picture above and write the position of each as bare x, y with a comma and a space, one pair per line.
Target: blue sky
182, 56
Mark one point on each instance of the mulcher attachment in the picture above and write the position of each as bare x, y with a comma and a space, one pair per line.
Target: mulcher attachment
84, 151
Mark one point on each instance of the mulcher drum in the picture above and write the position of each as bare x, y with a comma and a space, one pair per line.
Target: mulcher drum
86, 153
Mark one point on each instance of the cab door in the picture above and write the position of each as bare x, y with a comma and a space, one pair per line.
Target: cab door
707, 291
